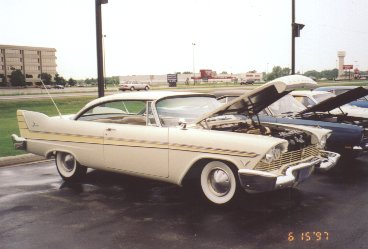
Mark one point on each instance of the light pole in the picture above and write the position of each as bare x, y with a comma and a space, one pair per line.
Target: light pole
100, 64
356, 64
295, 32
104, 65
194, 80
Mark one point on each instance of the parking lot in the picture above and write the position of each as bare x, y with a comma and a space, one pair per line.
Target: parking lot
108, 210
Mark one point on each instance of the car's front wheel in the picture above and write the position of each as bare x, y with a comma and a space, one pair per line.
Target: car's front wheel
68, 167
218, 182
146, 88
132, 88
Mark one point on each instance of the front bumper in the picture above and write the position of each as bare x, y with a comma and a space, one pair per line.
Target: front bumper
261, 181
19, 142
329, 160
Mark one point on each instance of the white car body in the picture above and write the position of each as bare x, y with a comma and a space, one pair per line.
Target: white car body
310, 98
133, 85
156, 144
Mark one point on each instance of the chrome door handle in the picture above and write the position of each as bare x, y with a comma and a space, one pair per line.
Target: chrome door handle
111, 129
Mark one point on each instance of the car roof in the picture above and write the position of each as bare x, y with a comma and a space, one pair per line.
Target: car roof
308, 93
144, 95
325, 88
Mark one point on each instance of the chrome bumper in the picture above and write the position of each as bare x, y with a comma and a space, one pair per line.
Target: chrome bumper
19, 142
329, 160
260, 181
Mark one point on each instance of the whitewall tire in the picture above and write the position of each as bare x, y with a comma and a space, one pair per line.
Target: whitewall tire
218, 182
68, 167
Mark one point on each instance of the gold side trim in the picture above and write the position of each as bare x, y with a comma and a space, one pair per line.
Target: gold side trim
63, 137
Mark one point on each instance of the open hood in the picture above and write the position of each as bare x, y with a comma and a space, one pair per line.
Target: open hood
252, 102
339, 100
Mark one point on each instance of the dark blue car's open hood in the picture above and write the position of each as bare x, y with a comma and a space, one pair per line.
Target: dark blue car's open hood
335, 102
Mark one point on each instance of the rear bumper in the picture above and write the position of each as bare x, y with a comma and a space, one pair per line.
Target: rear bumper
260, 181
19, 142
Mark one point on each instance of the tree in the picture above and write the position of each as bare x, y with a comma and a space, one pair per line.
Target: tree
72, 82
59, 80
223, 72
330, 74
313, 73
17, 78
46, 78
112, 80
277, 72
2, 80
187, 72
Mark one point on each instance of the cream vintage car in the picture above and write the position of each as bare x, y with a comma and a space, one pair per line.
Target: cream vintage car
182, 138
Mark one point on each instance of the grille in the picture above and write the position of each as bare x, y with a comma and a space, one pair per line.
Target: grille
289, 157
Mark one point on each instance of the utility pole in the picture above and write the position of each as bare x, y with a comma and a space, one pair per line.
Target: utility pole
100, 56
295, 32
194, 75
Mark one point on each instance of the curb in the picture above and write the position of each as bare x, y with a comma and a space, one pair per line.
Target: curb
25, 158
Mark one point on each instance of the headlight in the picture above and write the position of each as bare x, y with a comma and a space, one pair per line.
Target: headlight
322, 142
273, 154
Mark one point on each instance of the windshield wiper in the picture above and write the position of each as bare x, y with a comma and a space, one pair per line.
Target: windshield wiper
287, 112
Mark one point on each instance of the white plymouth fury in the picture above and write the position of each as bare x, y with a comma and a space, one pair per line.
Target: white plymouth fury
182, 138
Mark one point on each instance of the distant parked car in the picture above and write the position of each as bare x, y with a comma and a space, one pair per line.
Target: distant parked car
337, 90
133, 85
59, 87
247, 82
45, 87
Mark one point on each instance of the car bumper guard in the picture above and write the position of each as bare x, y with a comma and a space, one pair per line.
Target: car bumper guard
19, 142
260, 181
329, 160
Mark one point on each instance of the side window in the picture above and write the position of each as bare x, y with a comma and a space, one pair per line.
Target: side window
307, 102
223, 100
263, 113
339, 91
120, 112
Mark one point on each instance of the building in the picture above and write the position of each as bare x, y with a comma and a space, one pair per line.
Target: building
32, 61
341, 55
204, 75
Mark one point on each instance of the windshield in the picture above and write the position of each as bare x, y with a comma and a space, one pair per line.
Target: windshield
286, 105
323, 96
172, 110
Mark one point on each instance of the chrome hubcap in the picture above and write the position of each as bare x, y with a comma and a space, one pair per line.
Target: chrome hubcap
219, 181
68, 162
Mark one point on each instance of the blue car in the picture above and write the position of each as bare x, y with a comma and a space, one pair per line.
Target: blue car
348, 138
337, 90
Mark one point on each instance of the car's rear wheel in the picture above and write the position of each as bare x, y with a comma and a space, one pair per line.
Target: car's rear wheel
146, 88
68, 167
218, 182
132, 88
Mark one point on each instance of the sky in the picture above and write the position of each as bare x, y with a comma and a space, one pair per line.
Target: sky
156, 36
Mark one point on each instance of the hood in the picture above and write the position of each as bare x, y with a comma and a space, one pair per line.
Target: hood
252, 102
339, 100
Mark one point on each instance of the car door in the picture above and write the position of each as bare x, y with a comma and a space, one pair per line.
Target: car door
134, 146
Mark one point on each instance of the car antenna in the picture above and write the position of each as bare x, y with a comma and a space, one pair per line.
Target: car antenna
51, 98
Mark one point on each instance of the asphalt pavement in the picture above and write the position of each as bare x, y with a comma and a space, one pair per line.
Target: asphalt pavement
109, 210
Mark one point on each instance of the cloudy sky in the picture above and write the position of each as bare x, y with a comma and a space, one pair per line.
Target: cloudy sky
156, 36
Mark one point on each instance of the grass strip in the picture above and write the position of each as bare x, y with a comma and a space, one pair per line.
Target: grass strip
8, 119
